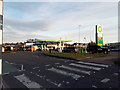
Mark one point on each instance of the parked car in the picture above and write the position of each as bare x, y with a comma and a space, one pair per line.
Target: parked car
70, 49
28, 48
97, 49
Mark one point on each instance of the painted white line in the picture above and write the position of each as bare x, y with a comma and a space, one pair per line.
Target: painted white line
10, 63
94, 64
84, 66
116, 74
74, 76
57, 63
35, 67
6, 61
48, 80
67, 61
22, 67
105, 80
22, 70
57, 84
75, 69
27, 82
94, 86
47, 65
67, 82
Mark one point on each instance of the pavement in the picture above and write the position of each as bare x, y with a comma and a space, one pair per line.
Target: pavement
35, 70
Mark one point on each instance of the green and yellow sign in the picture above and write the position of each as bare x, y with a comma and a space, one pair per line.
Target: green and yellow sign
99, 36
100, 29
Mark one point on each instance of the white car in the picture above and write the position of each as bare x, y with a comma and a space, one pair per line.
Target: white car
3, 49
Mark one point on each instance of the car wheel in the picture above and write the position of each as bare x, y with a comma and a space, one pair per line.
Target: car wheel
105, 52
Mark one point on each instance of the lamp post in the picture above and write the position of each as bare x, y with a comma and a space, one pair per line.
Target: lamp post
79, 33
79, 37
85, 39
60, 45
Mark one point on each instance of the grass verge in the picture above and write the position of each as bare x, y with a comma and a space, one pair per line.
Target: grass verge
77, 56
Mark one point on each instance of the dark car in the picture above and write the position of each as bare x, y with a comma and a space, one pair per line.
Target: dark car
27, 48
97, 49
70, 49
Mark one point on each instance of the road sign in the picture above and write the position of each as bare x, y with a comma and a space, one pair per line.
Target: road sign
99, 35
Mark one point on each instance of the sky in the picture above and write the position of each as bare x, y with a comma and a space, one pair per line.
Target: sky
55, 20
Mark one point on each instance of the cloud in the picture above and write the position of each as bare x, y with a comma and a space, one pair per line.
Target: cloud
29, 26
55, 20
13, 35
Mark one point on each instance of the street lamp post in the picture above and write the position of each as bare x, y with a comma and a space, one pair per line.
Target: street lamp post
79, 38
60, 45
79, 33
85, 39
85, 44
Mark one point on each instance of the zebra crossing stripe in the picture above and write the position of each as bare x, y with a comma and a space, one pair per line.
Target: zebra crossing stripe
94, 64
105, 80
84, 66
27, 82
74, 76
75, 69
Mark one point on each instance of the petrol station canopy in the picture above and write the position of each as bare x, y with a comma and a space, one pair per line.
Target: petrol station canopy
54, 40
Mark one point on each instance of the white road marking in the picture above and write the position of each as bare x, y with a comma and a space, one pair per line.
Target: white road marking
47, 65
67, 82
10, 63
94, 86
48, 80
22, 67
35, 67
27, 82
59, 85
116, 74
88, 63
57, 63
74, 76
84, 66
22, 70
67, 61
6, 61
75, 69
105, 80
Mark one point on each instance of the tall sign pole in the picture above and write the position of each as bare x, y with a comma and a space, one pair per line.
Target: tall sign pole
1, 36
96, 34
99, 35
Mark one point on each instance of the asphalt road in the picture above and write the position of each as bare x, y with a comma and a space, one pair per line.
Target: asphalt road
40, 71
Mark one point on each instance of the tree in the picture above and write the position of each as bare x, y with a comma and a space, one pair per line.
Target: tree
92, 43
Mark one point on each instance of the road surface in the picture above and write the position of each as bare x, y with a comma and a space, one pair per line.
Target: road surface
35, 70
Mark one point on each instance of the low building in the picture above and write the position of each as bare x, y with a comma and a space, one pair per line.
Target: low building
44, 44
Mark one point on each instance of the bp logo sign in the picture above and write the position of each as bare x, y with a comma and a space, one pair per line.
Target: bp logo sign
100, 29
99, 35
